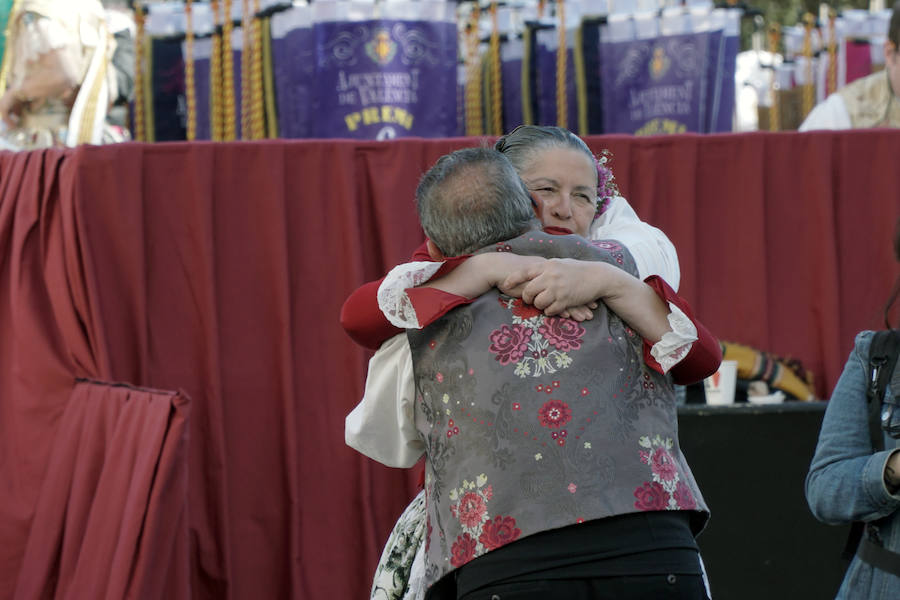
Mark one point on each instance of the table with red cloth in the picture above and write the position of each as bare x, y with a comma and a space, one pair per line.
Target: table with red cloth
174, 378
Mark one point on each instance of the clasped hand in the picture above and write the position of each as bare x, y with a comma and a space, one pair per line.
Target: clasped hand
557, 286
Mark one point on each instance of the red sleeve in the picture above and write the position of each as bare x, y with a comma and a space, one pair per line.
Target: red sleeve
705, 354
366, 324
363, 320
431, 304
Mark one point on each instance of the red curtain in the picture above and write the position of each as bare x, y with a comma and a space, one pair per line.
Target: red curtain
220, 269
111, 518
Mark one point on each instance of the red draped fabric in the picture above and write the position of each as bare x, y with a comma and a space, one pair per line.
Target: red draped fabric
111, 517
220, 270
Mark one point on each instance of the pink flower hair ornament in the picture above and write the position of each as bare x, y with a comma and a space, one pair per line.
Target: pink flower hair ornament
606, 182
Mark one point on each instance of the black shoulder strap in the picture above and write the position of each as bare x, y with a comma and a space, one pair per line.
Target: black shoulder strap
882, 359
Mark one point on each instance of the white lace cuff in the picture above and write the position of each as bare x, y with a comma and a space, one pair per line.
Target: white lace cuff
675, 344
392, 298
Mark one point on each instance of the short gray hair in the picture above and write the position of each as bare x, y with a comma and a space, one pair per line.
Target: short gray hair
472, 198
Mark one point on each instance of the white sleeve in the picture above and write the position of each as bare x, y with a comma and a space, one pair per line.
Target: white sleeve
392, 298
653, 253
675, 344
829, 114
382, 426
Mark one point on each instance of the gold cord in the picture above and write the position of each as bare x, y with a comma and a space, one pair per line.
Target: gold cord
215, 77
496, 76
229, 114
809, 89
257, 115
189, 78
473, 77
140, 133
268, 80
246, 80
774, 112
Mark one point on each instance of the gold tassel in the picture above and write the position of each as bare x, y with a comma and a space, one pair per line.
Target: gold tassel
140, 133
215, 77
809, 89
257, 116
246, 80
774, 111
473, 77
268, 80
496, 75
229, 114
190, 92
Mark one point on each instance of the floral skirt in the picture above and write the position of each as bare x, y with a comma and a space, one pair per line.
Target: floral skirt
401, 569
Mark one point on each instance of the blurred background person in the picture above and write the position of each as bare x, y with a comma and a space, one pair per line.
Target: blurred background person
868, 102
57, 79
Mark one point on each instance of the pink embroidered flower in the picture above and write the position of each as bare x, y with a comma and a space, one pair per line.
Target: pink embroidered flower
684, 497
554, 413
572, 488
489, 492
562, 334
471, 509
606, 244
463, 550
606, 182
651, 496
498, 532
509, 343
662, 464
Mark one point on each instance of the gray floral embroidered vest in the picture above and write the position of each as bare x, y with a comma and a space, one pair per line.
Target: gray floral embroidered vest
532, 423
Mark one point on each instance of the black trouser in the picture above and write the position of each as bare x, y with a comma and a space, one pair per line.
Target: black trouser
628, 587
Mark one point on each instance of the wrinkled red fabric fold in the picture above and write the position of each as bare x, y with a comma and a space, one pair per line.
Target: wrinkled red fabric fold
111, 517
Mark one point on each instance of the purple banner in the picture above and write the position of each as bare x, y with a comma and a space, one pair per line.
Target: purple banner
714, 72
723, 120
511, 73
167, 85
385, 79
546, 84
293, 66
236, 54
655, 86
